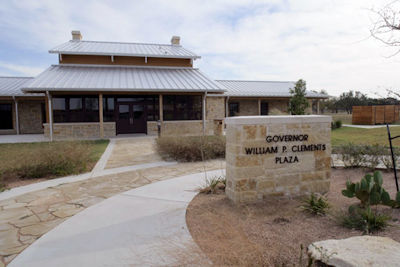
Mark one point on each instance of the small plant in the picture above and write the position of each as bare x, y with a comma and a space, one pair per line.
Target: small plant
369, 190
386, 158
315, 205
336, 124
214, 185
351, 155
365, 220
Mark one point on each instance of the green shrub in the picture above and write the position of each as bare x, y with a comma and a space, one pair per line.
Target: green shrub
191, 148
351, 155
370, 192
365, 155
387, 158
338, 124
365, 220
315, 205
214, 185
46, 160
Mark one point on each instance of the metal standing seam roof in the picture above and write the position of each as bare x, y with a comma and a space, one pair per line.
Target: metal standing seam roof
123, 49
11, 86
122, 78
239, 88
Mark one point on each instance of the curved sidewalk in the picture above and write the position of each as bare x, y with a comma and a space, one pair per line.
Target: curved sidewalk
143, 226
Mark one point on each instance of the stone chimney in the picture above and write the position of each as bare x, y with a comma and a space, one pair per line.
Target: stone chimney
76, 35
175, 40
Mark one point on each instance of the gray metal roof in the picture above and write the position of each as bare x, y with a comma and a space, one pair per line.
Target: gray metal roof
11, 86
69, 77
237, 88
123, 49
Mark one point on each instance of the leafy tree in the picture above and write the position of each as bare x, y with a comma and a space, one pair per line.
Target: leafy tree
347, 100
298, 102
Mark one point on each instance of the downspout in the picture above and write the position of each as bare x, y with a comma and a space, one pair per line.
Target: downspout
50, 115
204, 113
16, 115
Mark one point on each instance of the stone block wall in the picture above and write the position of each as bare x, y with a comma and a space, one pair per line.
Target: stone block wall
30, 117
277, 155
280, 106
215, 108
247, 107
81, 130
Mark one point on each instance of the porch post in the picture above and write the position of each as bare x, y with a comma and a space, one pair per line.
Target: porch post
16, 115
259, 107
101, 115
50, 115
204, 113
160, 108
318, 111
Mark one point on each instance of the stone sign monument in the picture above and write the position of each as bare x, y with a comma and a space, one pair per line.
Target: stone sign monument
277, 155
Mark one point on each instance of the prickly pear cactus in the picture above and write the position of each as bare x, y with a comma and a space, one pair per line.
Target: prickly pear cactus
369, 190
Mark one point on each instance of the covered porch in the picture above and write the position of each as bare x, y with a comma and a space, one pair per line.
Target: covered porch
110, 100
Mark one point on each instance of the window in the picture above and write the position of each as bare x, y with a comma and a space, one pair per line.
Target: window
182, 107
152, 108
6, 118
264, 108
233, 109
108, 109
76, 109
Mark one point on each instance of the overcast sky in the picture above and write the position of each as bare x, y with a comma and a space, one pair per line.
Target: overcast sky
324, 42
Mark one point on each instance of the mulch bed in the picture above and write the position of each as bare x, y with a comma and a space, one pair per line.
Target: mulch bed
271, 233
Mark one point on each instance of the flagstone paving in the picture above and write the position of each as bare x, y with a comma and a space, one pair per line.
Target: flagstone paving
127, 153
25, 218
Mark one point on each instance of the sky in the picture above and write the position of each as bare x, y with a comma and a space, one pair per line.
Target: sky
325, 42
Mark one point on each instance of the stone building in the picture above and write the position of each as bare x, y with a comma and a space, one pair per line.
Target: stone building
103, 89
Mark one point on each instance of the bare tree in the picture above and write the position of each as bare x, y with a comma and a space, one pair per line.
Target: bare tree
386, 25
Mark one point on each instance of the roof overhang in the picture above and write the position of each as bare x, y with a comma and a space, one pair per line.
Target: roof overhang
121, 54
115, 79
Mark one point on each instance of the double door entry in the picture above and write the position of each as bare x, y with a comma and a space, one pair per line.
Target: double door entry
131, 118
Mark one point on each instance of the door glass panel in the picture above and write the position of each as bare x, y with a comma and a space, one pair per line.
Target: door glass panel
137, 111
123, 111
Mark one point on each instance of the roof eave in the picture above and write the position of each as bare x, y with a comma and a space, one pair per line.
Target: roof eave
120, 54
44, 89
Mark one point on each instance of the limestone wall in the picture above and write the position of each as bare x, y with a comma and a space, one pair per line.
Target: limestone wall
30, 117
247, 107
215, 108
81, 130
281, 106
277, 155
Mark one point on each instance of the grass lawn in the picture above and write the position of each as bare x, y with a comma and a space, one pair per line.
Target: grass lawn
26, 161
364, 136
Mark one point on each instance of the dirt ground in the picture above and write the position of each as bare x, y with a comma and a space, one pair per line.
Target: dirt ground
272, 232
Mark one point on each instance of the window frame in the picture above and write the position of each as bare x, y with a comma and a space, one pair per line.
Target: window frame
237, 109
182, 107
82, 114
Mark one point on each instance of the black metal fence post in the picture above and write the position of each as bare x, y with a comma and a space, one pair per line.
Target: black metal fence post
393, 158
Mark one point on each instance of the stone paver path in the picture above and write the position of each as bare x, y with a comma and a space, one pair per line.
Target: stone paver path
25, 218
127, 153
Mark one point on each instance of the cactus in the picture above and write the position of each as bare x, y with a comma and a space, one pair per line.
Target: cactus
369, 191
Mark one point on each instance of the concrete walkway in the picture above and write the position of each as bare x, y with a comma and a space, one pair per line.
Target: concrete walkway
32, 212
369, 126
141, 227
